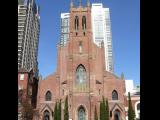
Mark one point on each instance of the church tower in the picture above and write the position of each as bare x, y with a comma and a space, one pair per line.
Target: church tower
81, 63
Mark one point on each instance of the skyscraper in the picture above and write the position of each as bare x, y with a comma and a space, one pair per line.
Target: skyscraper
28, 35
101, 28
64, 28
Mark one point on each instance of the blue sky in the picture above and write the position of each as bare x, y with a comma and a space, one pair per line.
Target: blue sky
125, 23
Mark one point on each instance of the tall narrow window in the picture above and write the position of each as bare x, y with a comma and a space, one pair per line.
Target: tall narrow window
84, 23
48, 96
81, 114
114, 95
76, 23
81, 75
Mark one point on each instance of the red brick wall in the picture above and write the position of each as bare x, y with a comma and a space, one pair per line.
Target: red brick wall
23, 82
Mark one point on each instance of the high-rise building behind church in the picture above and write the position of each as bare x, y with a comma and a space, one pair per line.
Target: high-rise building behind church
64, 28
101, 28
28, 35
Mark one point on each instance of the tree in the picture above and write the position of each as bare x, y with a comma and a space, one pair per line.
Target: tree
101, 111
95, 114
122, 76
36, 114
131, 113
58, 117
25, 107
107, 110
66, 113
104, 109
27, 110
59, 111
55, 112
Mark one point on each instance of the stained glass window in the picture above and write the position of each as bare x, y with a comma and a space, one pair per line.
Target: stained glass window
48, 96
81, 75
114, 95
81, 114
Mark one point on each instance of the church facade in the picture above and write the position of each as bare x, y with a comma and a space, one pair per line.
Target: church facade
81, 76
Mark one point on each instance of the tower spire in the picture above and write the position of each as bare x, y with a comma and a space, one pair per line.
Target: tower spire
71, 4
80, 2
88, 3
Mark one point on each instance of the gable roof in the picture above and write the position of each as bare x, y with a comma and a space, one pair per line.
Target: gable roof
47, 106
106, 73
116, 104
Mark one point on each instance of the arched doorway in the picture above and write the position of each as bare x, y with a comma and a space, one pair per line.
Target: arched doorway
116, 115
81, 113
46, 115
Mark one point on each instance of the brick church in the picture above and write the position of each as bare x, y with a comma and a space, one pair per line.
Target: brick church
81, 75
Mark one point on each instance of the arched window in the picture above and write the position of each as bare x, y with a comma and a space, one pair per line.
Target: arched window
48, 96
81, 113
46, 115
81, 75
76, 23
138, 106
114, 95
83, 22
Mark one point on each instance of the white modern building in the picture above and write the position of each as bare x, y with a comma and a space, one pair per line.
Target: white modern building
28, 35
135, 97
101, 28
129, 86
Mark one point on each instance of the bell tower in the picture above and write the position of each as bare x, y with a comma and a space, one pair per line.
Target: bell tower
79, 52
80, 19
79, 44
78, 62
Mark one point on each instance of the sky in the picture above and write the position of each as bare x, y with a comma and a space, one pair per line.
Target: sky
125, 26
